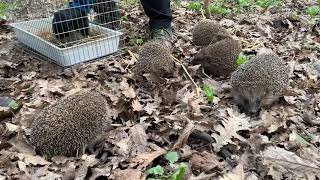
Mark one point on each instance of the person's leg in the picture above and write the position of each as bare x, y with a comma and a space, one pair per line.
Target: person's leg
159, 13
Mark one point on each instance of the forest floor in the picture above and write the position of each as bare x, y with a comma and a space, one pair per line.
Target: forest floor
215, 141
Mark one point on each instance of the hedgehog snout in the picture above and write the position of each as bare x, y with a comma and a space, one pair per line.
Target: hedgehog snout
254, 111
251, 107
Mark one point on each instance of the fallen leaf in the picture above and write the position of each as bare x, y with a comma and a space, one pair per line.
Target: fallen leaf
101, 172
144, 159
282, 161
205, 162
87, 162
32, 160
29, 75
232, 123
139, 139
236, 174
21, 145
151, 107
124, 174
183, 138
136, 105
129, 93
5, 112
12, 127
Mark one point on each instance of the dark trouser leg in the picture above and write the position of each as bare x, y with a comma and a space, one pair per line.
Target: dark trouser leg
159, 13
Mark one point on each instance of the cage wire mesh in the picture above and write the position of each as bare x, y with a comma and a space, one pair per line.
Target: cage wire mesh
74, 31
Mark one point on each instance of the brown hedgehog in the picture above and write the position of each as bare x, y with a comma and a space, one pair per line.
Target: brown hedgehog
155, 58
259, 82
208, 32
220, 58
69, 125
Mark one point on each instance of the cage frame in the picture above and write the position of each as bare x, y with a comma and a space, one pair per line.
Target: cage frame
102, 47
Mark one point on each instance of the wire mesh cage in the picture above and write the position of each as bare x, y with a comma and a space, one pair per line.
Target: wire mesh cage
75, 32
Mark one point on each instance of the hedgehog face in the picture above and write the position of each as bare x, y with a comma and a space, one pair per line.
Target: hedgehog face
251, 102
250, 105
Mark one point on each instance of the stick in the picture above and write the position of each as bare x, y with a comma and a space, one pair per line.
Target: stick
188, 74
133, 56
206, 9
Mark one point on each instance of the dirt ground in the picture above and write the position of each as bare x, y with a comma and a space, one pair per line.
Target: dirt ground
214, 140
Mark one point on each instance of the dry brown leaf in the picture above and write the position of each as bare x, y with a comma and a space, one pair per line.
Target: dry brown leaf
126, 89
136, 105
183, 138
87, 162
21, 145
32, 160
184, 94
134, 174
4, 112
59, 159
43, 173
139, 139
4, 63
151, 107
236, 174
144, 159
252, 176
129, 93
204, 162
124, 146
282, 161
311, 154
203, 176
43, 87
195, 107
12, 127
232, 123
102, 172
271, 121
29, 75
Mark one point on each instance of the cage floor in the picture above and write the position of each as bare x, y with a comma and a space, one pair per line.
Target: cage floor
40, 57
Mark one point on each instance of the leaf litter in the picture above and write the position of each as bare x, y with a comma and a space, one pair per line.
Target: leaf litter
152, 119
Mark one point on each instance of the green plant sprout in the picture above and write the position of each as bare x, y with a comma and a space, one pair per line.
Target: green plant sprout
180, 169
242, 58
129, 3
218, 7
295, 16
124, 18
136, 41
6, 8
178, 2
313, 11
244, 3
268, 3
208, 91
158, 170
14, 106
194, 6
172, 157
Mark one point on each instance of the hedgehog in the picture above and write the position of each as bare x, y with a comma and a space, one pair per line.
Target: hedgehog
71, 124
259, 82
207, 32
155, 58
220, 58
67, 21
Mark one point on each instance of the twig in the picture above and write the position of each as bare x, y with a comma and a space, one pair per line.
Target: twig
202, 13
188, 74
133, 56
206, 8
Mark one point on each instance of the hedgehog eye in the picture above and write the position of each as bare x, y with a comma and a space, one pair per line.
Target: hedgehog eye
258, 101
245, 101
